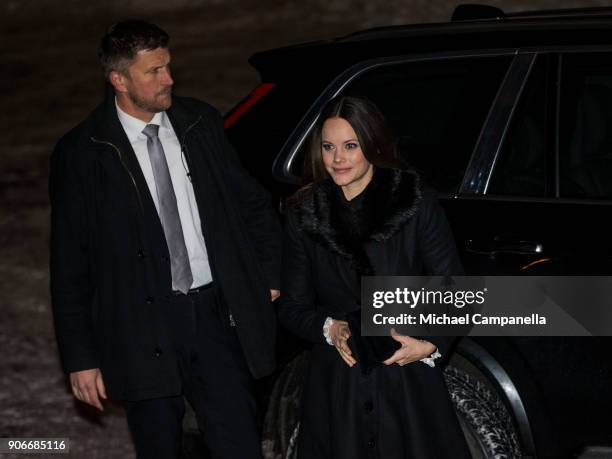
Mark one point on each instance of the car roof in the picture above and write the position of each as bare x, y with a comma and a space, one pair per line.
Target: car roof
552, 28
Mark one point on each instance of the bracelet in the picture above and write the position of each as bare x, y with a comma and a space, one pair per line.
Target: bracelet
326, 326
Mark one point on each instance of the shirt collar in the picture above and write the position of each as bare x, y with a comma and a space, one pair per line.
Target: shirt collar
133, 126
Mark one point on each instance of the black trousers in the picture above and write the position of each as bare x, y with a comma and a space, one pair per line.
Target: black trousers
216, 382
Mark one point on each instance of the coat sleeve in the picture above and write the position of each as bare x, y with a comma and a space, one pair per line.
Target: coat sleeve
296, 305
71, 280
439, 253
256, 209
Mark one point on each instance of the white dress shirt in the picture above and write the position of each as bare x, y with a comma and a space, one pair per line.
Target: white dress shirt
183, 189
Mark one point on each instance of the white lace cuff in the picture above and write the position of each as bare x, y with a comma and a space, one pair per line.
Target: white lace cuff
326, 326
431, 359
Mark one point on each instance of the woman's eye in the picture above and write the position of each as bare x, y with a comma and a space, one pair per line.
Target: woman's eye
327, 146
351, 146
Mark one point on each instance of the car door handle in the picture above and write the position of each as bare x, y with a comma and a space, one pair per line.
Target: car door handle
499, 245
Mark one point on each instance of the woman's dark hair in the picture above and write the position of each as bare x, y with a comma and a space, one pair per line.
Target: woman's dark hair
125, 39
375, 138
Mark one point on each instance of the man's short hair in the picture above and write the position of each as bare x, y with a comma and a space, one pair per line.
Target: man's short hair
125, 39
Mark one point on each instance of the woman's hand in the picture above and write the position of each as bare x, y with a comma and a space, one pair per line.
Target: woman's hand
412, 350
339, 333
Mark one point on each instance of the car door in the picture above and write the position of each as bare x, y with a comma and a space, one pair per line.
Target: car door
535, 201
532, 199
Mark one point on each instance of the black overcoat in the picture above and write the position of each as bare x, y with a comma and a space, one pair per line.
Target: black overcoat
110, 273
391, 412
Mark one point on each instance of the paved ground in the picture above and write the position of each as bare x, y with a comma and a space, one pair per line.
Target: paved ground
48, 83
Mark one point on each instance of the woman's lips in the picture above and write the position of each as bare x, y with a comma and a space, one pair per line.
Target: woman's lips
341, 171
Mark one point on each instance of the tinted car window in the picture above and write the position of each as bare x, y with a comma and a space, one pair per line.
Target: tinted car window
436, 108
585, 148
261, 131
521, 167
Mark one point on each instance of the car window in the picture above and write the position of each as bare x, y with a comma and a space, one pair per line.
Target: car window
436, 108
585, 142
521, 166
259, 134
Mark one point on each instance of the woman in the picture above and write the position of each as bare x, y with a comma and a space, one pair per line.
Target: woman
363, 215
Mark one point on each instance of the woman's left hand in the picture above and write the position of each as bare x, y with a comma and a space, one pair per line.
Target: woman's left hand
412, 350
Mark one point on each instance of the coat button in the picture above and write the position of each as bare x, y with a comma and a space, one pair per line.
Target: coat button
371, 443
140, 254
157, 352
368, 406
149, 300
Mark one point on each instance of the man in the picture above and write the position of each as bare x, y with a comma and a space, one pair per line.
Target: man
164, 258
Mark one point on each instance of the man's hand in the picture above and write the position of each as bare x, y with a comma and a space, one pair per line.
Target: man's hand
87, 386
274, 294
412, 350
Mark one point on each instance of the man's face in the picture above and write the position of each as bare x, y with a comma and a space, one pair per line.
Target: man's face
147, 82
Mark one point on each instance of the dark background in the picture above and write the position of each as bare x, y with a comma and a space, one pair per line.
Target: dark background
49, 81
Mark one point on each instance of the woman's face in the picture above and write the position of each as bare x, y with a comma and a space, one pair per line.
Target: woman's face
343, 157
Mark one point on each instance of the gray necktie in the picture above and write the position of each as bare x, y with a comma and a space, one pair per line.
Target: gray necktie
168, 212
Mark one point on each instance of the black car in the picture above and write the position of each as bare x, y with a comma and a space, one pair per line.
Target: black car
509, 117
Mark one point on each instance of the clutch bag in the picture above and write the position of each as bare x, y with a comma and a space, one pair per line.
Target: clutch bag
369, 351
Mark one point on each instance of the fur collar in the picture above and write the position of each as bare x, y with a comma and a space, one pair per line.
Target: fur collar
390, 200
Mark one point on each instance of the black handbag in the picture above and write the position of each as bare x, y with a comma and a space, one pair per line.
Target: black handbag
369, 351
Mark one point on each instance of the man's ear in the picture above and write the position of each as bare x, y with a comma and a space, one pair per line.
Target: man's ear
117, 79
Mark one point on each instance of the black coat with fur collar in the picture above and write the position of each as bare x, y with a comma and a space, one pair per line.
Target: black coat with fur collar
399, 229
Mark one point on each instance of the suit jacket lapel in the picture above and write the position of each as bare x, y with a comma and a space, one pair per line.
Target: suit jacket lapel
109, 129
